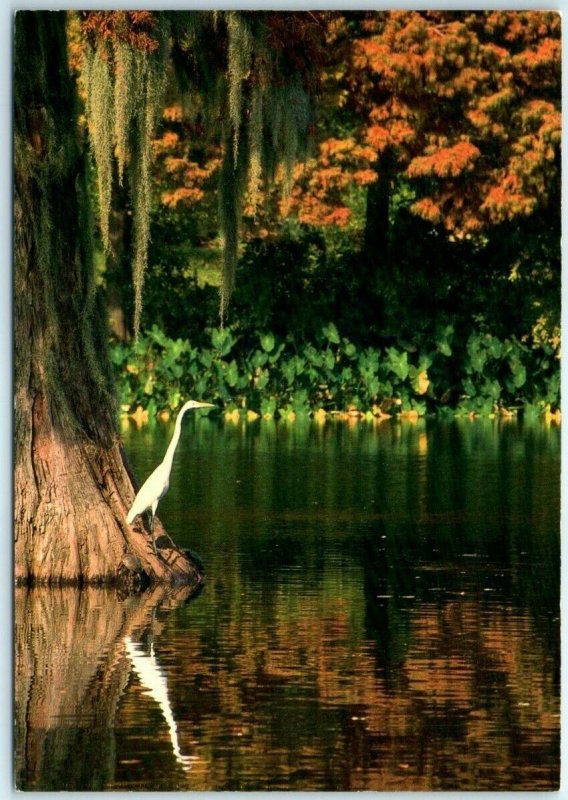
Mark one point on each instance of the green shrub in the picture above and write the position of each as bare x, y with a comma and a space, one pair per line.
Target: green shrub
280, 376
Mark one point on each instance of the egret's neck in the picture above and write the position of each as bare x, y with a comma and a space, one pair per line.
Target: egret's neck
169, 457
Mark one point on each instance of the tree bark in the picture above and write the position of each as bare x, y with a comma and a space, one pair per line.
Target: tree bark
72, 490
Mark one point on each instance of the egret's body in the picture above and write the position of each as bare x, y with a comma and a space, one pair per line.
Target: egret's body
157, 484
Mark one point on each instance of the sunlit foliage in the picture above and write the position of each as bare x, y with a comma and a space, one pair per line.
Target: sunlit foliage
467, 103
246, 77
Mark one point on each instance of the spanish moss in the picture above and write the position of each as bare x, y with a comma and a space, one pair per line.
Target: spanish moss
239, 58
234, 79
100, 106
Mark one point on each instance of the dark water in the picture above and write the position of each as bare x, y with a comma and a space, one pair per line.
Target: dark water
381, 612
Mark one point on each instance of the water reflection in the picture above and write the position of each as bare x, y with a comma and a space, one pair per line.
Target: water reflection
154, 681
381, 612
75, 655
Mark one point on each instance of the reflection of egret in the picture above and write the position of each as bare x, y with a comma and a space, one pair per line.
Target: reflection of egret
158, 483
154, 681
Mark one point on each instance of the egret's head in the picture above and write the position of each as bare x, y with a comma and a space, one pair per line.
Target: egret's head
195, 404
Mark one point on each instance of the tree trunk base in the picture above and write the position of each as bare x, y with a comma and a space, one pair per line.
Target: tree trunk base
72, 499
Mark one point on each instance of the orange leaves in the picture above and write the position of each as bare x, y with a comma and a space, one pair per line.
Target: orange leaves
173, 113
503, 202
448, 162
313, 211
427, 209
468, 100
181, 179
321, 183
189, 178
134, 27
166, 143
184, 194
378, 137
363, 177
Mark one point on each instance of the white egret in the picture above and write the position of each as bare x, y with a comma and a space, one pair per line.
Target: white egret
158, 483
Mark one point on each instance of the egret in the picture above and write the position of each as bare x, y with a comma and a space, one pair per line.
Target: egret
158, 483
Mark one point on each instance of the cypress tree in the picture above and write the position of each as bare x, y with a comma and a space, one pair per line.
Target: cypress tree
72, 487
72, 484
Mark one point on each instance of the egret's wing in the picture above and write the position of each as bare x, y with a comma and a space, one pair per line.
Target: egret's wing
151, 490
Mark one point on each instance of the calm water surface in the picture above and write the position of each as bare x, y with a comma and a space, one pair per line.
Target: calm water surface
381, 612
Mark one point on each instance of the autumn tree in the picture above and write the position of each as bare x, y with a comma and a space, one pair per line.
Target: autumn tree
72, 485
463, 107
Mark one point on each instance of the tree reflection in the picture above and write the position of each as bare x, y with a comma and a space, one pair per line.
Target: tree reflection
74, 654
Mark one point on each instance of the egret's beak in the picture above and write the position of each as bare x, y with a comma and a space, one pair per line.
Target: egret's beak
204, 405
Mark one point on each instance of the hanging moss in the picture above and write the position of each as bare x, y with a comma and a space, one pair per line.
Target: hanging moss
241, 84
124, 97
255, 146
295, 120
232, 186
239, 52
100, 106
141, 191
125, 87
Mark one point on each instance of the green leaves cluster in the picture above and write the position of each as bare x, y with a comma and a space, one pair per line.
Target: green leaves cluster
279, 377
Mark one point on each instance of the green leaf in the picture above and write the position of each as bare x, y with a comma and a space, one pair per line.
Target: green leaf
419, 406
261, 380
289, 371
491, 389
520, 377
222, 340
206, 358
328, 360
259, 359
372, 385
273, 358
495, 347
331, 334
158, 336
232, 373
267, 342
349, 349
174, 399
398, 362
268, 406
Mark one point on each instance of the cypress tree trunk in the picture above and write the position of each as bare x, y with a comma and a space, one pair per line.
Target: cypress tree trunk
72, 490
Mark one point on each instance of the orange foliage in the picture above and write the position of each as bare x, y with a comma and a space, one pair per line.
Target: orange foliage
181, 179
448, 162
134, 27
320, 183
469, 100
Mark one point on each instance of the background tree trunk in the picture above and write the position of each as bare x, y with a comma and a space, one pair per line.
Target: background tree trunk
118, 267
376, 263
72, 491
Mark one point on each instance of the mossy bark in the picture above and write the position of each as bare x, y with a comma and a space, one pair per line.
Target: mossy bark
72, 489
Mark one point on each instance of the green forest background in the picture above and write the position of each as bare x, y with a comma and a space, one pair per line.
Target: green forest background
405, 260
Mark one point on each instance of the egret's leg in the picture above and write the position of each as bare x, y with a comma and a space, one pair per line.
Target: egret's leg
152, 532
